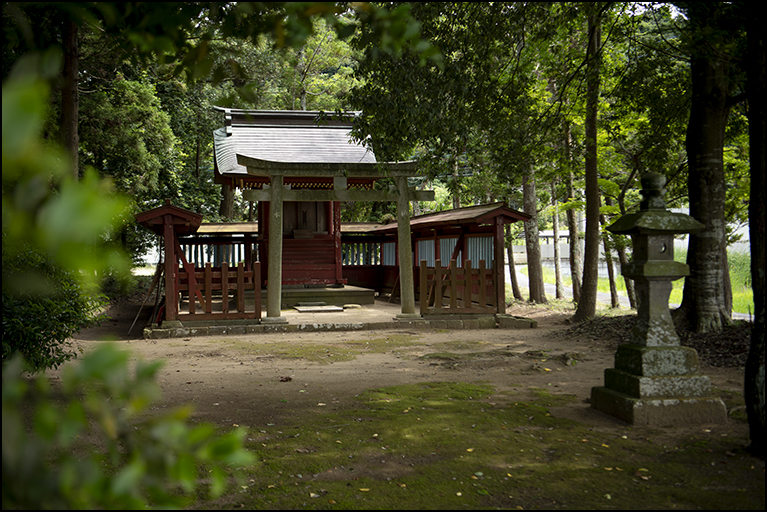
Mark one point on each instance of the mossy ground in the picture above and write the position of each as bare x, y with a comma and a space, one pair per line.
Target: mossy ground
447, 445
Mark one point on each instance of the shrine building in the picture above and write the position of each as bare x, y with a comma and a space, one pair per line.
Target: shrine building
298, 167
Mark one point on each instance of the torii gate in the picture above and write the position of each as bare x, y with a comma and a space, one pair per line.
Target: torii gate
276, 193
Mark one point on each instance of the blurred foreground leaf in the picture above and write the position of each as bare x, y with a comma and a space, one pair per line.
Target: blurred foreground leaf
141, 460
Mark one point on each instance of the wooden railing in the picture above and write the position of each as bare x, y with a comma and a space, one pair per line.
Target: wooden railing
199, 286
455, 290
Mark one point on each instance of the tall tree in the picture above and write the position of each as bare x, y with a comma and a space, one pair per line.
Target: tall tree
587, 305
532, 241
713, 32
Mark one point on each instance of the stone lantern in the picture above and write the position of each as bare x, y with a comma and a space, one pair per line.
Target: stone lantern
655, 380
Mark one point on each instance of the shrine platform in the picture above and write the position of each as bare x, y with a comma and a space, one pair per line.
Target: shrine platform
340, 296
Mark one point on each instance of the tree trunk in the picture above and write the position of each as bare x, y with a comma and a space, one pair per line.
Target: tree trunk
226, 209
512, 267
620, 248
623, 258
532, 241
588, 303
555, 226
704, 297
70, 98
455, 187
575, 243
614, 298
754, 390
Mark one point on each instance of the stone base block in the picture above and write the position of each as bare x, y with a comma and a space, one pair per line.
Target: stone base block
688, 386
274, 320
656, 361
409, 317
658, 412
515, 322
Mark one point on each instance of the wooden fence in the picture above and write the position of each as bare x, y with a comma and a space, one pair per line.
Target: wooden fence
455, 290
199, 286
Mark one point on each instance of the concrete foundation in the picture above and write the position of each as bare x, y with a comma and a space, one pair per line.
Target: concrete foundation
659, 412
658, 386
365, 318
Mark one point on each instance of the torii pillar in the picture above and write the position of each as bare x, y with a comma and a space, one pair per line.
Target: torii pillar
406, 278
274, 272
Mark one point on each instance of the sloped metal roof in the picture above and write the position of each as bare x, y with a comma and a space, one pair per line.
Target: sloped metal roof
480, 214
286, 137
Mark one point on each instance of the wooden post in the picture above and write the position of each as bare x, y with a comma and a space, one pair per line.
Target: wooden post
224, 287
337, 241
240, 288
467, 283
499, 272
439, 286
424, 285
453, 282
171, 291
248, 251
208, 288
482, 284
263, 236
257, 288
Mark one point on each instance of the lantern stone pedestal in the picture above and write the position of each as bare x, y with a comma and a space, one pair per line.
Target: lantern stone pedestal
655, 380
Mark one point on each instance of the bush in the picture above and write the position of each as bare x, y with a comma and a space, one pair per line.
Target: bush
43, 306
91, 445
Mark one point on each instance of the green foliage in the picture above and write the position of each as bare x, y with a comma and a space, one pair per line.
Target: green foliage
73, 222
43, 306
127, 136
97, 448
740, 269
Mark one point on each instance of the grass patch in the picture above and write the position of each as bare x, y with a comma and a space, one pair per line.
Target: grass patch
545, 397
459, 345
312, 351
394, 343
309, 351
442, 445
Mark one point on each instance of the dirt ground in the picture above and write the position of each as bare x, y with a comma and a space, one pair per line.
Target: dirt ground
254, 380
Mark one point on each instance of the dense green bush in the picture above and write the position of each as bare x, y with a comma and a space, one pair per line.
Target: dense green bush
43, 306
92, 444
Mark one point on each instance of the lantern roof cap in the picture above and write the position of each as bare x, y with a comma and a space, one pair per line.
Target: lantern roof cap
653, 218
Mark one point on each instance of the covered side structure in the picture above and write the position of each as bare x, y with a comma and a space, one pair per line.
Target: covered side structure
463, 237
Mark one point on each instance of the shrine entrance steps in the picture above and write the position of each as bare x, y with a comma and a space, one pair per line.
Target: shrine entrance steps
294, 295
